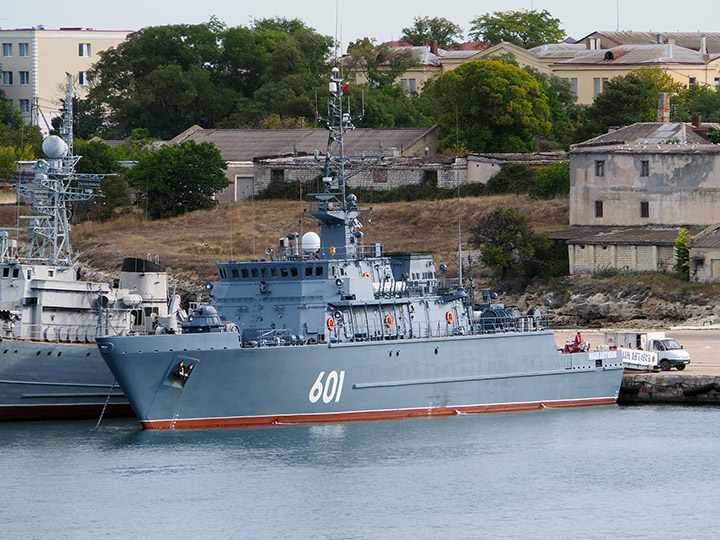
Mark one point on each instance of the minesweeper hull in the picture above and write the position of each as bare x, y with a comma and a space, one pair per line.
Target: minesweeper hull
234, 386
42, 380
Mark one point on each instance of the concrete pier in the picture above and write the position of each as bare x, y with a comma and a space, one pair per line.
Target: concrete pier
697, 384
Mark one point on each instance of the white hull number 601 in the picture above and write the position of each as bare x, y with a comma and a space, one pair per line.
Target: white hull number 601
330, 389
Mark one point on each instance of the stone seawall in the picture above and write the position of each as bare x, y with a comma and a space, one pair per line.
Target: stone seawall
676, 388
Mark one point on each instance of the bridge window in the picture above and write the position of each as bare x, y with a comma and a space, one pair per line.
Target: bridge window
319, 271
245, 273
273, 271
293, 271
308, 271
254, 272
263, 272
284, 271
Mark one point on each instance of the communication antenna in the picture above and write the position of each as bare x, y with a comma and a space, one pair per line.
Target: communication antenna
337, 26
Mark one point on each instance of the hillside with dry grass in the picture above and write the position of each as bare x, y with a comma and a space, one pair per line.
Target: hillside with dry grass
190, 245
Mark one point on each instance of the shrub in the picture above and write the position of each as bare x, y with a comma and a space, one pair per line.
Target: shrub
552, 181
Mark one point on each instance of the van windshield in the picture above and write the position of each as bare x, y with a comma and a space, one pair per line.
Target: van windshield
671, 344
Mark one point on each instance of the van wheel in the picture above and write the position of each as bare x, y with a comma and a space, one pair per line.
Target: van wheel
680, 367
665, 365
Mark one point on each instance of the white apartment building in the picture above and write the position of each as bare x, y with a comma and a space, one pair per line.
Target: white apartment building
34, 62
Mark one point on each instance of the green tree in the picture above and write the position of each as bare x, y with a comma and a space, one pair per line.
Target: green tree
523, 28
99, 158
490, 106
380, 64
512, 178
626, 100
505, 238
511, 248
178, 178
9, 155
700, 99
682, 254
552, 181
392, 107
168, 78
425, 30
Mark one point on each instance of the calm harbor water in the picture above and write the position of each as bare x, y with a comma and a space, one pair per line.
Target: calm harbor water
604, 472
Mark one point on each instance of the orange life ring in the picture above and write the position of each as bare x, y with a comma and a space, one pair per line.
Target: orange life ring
449, 317
331, 324
366, 274
388, 321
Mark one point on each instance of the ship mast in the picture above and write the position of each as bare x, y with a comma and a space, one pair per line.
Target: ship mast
52, 189
336, 212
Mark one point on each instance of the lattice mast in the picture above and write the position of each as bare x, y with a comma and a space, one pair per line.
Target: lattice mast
54, 186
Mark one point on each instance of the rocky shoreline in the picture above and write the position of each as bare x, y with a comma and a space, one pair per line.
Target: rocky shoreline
590, 303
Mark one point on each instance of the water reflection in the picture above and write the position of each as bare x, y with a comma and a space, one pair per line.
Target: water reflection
538, 474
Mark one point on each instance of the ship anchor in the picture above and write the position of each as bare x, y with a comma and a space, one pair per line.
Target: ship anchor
182, 372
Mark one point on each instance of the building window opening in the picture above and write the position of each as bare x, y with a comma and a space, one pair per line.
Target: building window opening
644, 168
644, 209
598, 209
84, 50
599, 168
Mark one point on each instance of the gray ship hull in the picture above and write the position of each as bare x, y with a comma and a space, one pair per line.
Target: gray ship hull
42, 380
234, 386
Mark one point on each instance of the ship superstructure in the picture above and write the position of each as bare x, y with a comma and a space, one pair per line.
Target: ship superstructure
49, 317
328, 328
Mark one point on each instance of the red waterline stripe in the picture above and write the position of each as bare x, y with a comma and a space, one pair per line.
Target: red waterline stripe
247, 421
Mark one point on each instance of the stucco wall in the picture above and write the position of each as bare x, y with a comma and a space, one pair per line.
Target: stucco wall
682, 187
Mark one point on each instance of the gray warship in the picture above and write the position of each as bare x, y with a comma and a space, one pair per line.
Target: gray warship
50, 366
327, 329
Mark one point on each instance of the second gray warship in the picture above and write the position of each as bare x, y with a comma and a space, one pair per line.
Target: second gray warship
50, 366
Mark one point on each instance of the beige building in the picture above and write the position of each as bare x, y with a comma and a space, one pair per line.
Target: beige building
432, 62
591, 69
690, 58
633, 249
34, 63
241, 148
646, 174
632, 190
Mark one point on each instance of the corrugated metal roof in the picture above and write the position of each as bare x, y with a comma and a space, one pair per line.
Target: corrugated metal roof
639, 54
689, 40
558, 50
651, 235
247, 144
675, 134
709, 238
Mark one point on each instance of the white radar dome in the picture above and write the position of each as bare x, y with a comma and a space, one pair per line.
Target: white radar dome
54, 147
310, 242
